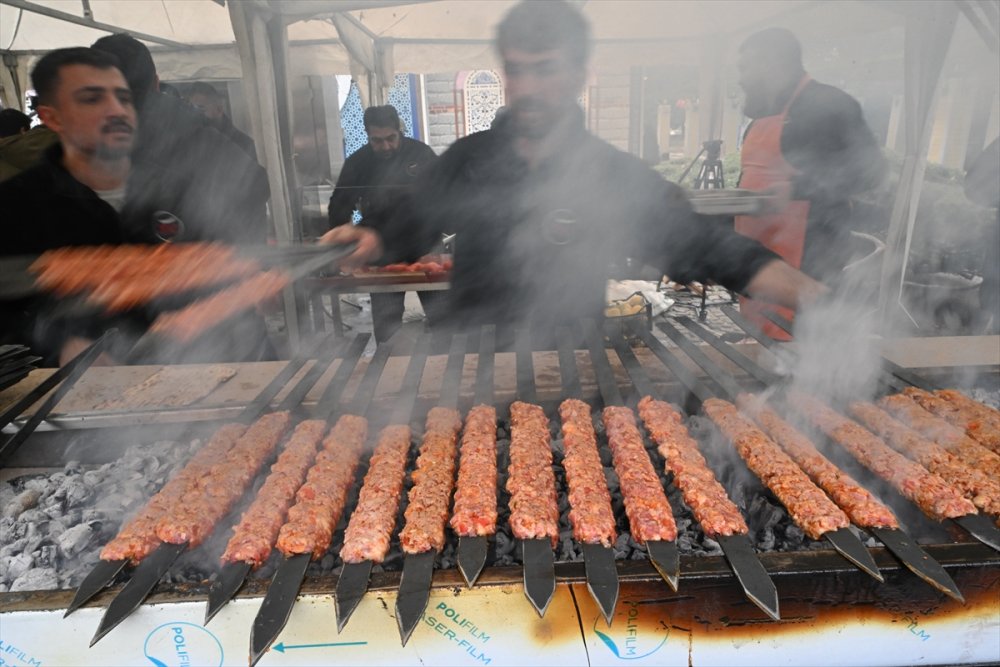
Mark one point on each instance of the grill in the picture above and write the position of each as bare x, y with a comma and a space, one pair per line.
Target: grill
613, 604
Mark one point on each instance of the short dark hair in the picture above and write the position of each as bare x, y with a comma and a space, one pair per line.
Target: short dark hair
136, 63
385, 116
542, 26
778, 44
206, 89
13, 121
45, 75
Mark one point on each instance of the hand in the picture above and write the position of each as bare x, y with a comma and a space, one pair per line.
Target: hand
75, 345
369, 244
781, 284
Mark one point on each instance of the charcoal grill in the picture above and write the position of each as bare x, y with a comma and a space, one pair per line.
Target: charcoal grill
831, 612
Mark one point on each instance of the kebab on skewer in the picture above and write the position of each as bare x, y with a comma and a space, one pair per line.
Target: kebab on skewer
534, 509
980, 422
475, 508
427, 508
649, 513
369, 530
215, 493
137, 538
807, 505
983, 491
590, 502
933, 495
702, 492
945, 434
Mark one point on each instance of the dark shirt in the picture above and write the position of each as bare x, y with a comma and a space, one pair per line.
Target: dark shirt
826, 139
536, 245
217, 191
373, 185
44, 208
241, 139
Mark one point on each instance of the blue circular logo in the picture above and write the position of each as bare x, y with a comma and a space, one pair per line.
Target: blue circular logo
182, 644
633, 635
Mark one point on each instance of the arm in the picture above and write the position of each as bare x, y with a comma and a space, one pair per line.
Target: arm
828, 141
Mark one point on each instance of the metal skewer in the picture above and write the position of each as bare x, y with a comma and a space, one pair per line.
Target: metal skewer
472, 550
353, 581
753, 578
895, 540
418, 569
105, 572
233, 575
153, 568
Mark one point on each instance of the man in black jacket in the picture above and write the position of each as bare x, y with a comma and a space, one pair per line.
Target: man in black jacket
219, 190
373, 182
90, 191
541, 208
207, 100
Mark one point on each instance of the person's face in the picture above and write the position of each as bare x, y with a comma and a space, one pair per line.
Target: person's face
754, 72
210, 108
92, 111
384, 141
541, 88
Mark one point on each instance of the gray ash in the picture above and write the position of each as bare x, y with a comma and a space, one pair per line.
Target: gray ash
54, 525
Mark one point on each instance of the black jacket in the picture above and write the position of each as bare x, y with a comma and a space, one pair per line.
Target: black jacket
536, 245
217, 191
827, 140
44, 208
373, 186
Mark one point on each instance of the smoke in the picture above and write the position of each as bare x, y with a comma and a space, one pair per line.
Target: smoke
838, 352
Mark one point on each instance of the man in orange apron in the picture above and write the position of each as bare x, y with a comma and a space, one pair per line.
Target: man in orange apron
808, 144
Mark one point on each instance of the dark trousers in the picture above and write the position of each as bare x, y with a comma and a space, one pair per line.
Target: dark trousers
387, 311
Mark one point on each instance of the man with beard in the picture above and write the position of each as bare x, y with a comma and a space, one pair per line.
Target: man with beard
88, 190
541, 208
206, 99
373, 181
809, 145
217, 191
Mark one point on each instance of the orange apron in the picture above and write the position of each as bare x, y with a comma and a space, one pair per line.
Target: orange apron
763, 167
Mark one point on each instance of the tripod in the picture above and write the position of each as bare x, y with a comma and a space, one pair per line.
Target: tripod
710, 176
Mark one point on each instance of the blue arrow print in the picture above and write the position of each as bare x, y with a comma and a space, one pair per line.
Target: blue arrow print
282, 647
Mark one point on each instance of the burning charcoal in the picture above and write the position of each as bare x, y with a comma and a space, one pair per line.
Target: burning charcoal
73, 467
75, 539
37, 483
23, 501
504, 545
711, 547
12, 567
327, 563
621, 546
37, 579
612, 477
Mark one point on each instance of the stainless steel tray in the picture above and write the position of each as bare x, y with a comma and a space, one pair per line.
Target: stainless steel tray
727, 202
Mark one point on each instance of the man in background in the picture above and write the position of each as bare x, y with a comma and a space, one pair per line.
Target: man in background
89, 189
205, 98
373, 181
982, 185
809, 146
220, 192
541, 208
13, 122
21, 146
